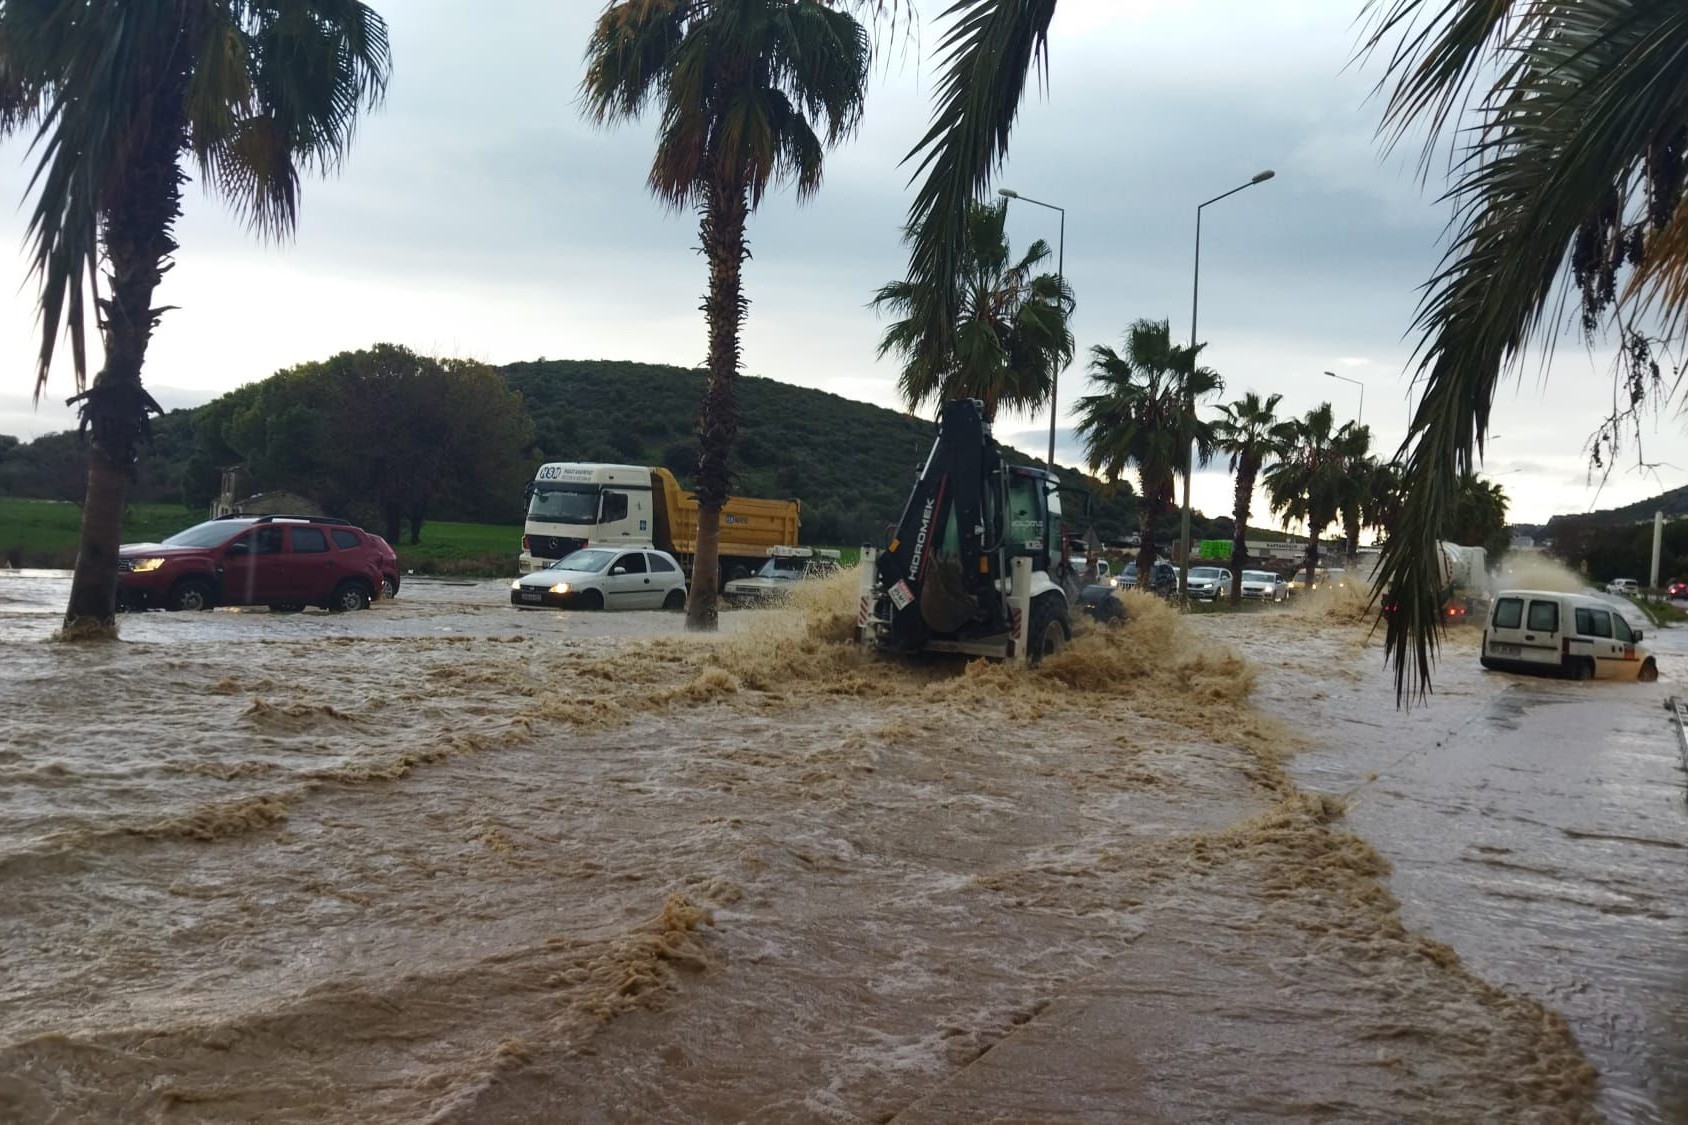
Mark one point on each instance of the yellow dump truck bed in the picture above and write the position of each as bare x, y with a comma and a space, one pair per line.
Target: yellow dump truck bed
748, 527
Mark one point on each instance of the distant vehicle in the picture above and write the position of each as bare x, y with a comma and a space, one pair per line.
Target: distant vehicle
573, 504
604, 578
1676, 589
1263, 585
786, 566
284, 562
1209, 583
1623, 586
1100, 601
1566, 634
1163, 578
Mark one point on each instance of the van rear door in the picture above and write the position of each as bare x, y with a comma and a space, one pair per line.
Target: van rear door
1509, 639
1539, 641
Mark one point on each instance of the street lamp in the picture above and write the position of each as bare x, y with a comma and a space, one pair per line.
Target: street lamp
1190, 450
1060, 272
1360, 418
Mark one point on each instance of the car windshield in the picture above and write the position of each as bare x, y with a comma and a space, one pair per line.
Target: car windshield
788, 569
591, 559
1259, 576
1205, 572
572, 503
207, 534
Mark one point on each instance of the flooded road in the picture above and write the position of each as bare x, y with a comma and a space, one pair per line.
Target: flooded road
447, 861
1538, 827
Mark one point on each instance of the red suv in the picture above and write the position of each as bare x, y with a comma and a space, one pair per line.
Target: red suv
284, 562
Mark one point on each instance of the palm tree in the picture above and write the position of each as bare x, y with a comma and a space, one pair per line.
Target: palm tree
741, 86
1305, 483
1011, 334
1477, 517
1143, 417
120, 95
1252, 434
1356, 464
1382, 505
1566, 126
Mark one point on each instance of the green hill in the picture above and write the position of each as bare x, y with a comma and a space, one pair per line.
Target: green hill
851, 463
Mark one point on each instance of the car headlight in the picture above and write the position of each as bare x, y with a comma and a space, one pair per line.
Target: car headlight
561, 588
516, 585
141, 566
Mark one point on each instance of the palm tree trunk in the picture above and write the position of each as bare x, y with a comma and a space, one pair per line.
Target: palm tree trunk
1148, 510
1312, 553
725, 211
1239, 533
137, 221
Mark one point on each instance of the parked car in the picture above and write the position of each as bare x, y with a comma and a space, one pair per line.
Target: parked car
604, 578
1209, 583
1163, 578
785, 567
1676, 588
1623, 586
284, 562
1573, 635
1263, 585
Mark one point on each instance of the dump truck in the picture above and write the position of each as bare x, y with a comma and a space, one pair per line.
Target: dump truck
575, 504
975, 564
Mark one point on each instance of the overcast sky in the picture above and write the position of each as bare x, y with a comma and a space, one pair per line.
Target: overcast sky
480, 216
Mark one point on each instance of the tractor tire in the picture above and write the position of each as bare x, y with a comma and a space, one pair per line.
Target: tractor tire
349, 595
1050, 629
191, 594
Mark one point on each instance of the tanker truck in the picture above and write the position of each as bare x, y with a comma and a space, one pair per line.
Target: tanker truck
575, 504
1465, 580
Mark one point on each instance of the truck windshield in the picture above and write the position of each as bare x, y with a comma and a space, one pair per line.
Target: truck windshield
564, 504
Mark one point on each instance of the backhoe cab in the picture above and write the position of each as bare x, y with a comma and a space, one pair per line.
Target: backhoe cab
970, 567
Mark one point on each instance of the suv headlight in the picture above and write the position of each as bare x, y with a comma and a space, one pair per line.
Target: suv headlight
141, 566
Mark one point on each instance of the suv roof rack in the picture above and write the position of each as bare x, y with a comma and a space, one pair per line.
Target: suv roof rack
271, 518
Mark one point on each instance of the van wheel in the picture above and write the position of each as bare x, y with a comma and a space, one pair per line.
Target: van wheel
191, 594
1050, 628
676, 600
1649, 672
1581, 669
349, 595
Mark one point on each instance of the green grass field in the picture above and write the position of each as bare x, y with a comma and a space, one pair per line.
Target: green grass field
42, 533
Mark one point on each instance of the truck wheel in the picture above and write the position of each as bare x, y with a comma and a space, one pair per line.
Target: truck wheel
191, 594
676, 600
1050, 629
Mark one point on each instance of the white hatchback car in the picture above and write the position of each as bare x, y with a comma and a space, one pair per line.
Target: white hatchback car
1566, 634
604, 578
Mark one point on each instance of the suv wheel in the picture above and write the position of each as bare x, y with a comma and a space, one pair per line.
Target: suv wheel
349, 595
191, 594
388, 589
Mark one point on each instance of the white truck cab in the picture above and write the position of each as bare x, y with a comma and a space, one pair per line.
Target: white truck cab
573, 505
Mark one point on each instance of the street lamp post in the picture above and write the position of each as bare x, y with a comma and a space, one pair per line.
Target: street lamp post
1060, 272
1360, 418
1190, 403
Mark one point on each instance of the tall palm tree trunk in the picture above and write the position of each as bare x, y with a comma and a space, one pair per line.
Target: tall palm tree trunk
136, 232
1312, 553
1246, 473
1148, 511
721, 231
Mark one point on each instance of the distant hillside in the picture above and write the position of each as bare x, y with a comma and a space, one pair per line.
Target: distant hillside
1673, 504
851, 463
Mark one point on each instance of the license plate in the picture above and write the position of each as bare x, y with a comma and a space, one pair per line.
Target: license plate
1505, 650
533, 595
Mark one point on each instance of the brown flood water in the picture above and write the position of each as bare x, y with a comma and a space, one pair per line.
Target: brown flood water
446, 861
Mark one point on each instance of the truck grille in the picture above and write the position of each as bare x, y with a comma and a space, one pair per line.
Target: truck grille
553, 546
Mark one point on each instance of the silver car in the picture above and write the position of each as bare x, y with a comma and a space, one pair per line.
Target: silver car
1209, 583
604, 578
1263, 585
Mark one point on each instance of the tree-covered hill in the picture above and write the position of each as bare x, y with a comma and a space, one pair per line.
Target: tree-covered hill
850, 463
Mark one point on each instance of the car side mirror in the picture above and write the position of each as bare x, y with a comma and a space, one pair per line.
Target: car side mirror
618, 570
240, 548
1638, 636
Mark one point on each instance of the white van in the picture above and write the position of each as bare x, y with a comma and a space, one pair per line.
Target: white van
1568, 634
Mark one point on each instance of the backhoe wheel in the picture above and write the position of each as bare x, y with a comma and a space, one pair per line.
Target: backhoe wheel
1050, 629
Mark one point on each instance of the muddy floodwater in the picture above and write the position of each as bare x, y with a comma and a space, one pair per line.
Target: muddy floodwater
447, 861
